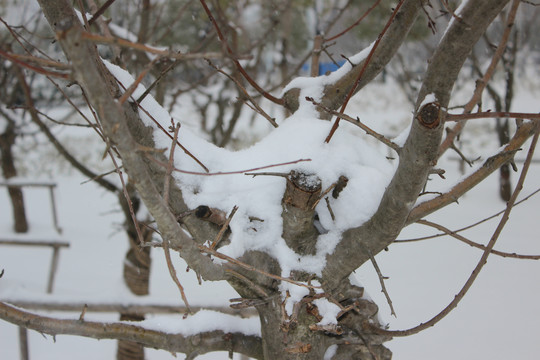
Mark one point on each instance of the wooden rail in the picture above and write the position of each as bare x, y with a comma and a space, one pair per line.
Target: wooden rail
55, 245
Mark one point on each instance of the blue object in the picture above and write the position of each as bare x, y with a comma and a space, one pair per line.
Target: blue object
325, 67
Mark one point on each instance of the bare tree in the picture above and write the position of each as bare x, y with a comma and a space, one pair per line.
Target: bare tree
332, 318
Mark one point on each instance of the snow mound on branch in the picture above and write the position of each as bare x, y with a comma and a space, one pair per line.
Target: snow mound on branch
257, 225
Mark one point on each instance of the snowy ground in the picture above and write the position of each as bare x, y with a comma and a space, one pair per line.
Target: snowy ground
498, 319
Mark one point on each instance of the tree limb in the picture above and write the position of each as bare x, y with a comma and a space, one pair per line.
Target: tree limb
420, 151
335, 94
93, 77
524, 132
202, 342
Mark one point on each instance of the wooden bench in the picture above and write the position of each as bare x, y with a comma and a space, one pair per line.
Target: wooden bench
46, 184
56, 245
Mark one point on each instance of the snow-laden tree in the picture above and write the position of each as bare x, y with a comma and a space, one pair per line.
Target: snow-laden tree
286, 221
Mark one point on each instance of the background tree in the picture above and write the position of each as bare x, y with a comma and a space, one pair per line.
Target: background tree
293, 268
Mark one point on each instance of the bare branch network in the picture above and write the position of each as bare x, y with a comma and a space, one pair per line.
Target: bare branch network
288, 254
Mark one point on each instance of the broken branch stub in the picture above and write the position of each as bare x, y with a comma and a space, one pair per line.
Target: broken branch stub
429, 115
301, 193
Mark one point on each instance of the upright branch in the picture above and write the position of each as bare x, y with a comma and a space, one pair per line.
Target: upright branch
352, 90
482, 83
419, 154
91, 74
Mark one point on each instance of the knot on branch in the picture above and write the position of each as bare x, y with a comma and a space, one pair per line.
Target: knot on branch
430, 115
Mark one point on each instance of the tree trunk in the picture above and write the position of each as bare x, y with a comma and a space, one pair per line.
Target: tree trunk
136, 274
7, 139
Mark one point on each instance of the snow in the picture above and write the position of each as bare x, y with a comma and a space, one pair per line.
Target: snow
327, 310
347, 154
202, 321
330, 352
429, 98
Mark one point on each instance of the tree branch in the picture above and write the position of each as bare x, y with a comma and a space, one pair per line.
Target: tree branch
524, 132
483, 260
420, 151
462, 238
335, 94
101, 88
202, 342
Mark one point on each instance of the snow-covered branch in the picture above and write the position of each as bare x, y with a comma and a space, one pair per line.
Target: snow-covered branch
194, 343
336, 93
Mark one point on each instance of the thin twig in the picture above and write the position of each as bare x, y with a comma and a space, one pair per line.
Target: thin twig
329, 207
482, 83
481, 262
474, 244
100, 39
270, 119
324, 193
364, 67
358, 123
381, 280
250, 283
490, 114
461, 155
375, 4
245, 172
166, 249
224, 228
186, 151
126, 195
235, 60
37, 69
252, 268
137, 81
170, 67
100, 11
468, 226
